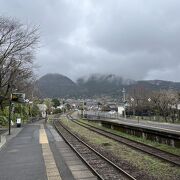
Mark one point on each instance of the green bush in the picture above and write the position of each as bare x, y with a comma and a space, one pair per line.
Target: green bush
35, 111
3, 121
56, 111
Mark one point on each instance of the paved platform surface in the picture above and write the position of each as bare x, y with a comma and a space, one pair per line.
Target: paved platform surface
166, 127
37, 152
5, 137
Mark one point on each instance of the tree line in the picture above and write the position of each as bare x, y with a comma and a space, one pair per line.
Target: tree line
159, 104
18, 44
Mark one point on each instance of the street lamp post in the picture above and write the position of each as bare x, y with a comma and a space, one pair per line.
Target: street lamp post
132, 100
9, 119
149, 100
83, 110
124, 101
10, 108
30, 108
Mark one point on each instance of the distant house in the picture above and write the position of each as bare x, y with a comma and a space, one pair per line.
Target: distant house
120, 110
110, 107
42, 108
60, 107
113, 107
178, 106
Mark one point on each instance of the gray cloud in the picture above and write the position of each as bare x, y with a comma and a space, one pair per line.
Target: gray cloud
136, 39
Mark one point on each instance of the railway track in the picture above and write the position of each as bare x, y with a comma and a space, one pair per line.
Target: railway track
168, 157
100, 165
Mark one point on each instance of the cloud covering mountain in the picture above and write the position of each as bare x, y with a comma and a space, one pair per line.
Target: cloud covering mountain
56, 85
135, 39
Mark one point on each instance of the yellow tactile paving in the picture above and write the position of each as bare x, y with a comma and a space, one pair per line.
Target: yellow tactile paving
51, 168
43, 137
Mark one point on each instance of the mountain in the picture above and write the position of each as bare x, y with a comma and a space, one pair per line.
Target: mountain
56, 85
98, 84
155, 85
113, 85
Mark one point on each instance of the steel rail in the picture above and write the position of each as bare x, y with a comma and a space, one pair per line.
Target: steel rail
93, 170
92, 149
163, 155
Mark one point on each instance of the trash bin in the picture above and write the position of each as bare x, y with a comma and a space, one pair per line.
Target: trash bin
18, 122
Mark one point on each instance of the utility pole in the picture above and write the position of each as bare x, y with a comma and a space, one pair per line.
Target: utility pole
10, 109
9, 119
83, 109
124, 101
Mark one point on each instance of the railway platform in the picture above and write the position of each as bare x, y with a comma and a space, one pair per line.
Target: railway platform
37, 152
166, 133
146, 124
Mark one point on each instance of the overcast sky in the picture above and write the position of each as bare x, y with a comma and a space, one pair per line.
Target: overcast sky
137, 39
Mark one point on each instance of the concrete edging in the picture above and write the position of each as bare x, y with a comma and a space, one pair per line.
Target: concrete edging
6, 137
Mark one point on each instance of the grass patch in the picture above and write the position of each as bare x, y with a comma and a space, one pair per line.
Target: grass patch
146, 163
163, 147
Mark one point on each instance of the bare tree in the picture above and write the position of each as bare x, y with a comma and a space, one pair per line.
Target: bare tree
164, 103
17, 45
140, 97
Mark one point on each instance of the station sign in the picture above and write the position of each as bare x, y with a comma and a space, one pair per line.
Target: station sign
18, 121
18, 97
